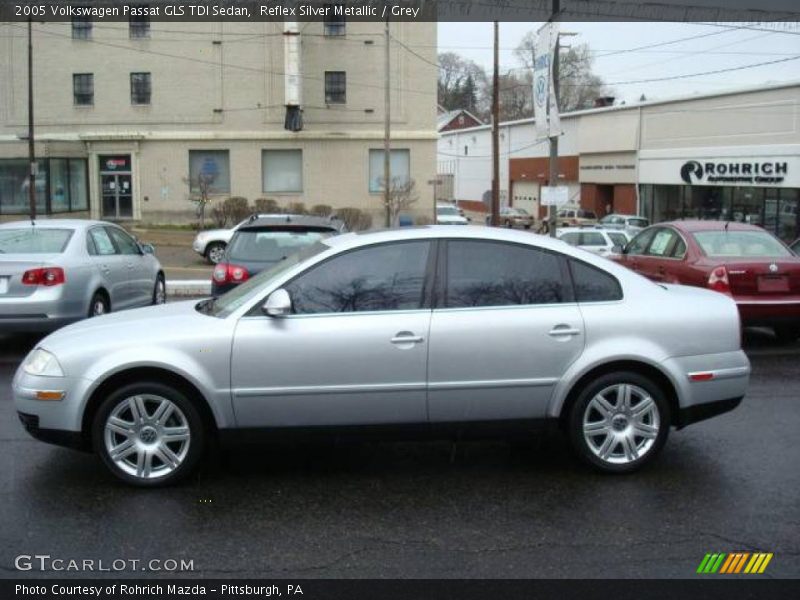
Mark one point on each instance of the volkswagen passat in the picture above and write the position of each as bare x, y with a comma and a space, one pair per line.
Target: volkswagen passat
436, 328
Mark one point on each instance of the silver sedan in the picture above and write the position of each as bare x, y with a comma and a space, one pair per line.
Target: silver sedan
431, 329
59, 271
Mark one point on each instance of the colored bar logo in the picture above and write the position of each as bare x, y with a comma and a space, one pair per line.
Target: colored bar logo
735, 562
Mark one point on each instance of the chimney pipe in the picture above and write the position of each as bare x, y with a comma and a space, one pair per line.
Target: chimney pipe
293, 84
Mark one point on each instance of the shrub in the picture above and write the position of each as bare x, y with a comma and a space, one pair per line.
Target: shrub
297, 208
355, 219
266, 205
236, 207
219, 215
322, 210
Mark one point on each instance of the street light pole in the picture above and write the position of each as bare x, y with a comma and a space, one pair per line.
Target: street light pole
31, 154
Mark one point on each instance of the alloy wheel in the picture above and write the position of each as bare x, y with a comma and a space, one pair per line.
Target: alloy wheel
621, 423
216, 253
147, 436
160, 296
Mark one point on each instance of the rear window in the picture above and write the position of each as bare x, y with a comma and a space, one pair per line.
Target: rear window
618, 239
593, 238
271, 246
740, 244
449, 211
586, 214
34, 241
638, 223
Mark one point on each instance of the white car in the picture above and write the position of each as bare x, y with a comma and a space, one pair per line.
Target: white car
211, 244
595, 239
448, 214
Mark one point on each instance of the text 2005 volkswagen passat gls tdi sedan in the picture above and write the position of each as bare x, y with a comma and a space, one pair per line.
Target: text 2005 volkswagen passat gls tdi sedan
423, 327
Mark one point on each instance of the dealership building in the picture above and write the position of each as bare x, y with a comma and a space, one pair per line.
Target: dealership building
731, 155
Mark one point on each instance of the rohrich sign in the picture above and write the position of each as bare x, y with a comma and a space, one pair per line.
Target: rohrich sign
737, 172
745, 171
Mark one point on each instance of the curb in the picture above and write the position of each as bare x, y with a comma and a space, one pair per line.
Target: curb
188, 287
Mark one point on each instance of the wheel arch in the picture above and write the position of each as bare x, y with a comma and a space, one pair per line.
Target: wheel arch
648, 370
101, 289
157, 374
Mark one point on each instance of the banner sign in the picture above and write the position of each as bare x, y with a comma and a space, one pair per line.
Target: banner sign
557, 195
545, 104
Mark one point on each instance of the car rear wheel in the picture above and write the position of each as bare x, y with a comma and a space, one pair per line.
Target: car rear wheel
787, 333
508, 224
215, 252
99, 305
148, 434
619, 422
160, 291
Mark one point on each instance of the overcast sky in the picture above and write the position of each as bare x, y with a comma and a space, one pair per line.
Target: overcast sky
724, 49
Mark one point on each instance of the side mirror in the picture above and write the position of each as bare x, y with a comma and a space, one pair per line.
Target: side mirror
278, 304
148, 248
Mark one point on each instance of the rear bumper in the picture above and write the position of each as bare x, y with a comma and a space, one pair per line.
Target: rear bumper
33, 323
701, 412
46, 309
760, 311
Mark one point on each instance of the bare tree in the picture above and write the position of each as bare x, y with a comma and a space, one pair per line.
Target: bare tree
462, 83
578, 84
402, 195
200, 194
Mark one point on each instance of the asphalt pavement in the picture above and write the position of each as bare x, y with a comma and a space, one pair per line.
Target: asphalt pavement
427, 510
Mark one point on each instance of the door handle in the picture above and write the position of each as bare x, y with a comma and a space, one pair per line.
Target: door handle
407, 338
559, 331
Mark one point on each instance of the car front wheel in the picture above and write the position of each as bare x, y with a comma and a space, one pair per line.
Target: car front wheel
148, 434
160, 291
619, 422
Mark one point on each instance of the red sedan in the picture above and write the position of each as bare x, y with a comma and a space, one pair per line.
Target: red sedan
744, 261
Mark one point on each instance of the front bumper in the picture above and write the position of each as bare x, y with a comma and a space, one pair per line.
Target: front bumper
59, 437
199, 247
65, 415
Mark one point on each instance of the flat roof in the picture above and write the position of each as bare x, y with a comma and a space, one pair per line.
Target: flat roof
637, 105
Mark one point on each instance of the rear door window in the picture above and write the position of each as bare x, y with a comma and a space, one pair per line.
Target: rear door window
592, 284
101, 244
662, 243
639, 244
483, 273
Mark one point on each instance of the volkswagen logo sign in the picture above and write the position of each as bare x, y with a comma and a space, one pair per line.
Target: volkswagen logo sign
773, 268
541, 90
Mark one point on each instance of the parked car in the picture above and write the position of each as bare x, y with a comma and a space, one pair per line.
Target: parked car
449, 214
59, 271
743, 261
511, 216
432, 329
573, 216
629, 223
211, 243
594, 239
264, 241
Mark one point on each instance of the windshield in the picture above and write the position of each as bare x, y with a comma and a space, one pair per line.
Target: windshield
740, 244
227, 303
270, 245
447, 211
34, 241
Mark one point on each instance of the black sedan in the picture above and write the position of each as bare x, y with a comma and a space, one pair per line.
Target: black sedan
265, 241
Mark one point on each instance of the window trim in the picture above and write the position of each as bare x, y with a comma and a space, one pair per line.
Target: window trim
428, 284
441, 295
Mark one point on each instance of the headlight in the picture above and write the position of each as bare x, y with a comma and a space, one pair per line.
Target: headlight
42, 363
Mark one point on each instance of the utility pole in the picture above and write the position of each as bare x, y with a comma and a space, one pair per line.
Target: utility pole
387, 131
31, 154
495, 129
553, 161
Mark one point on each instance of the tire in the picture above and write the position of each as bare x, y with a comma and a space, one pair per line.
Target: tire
610, 443
215, 252
527, 226
99, 305
509, 225
128, 422
160, 291
787, 334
